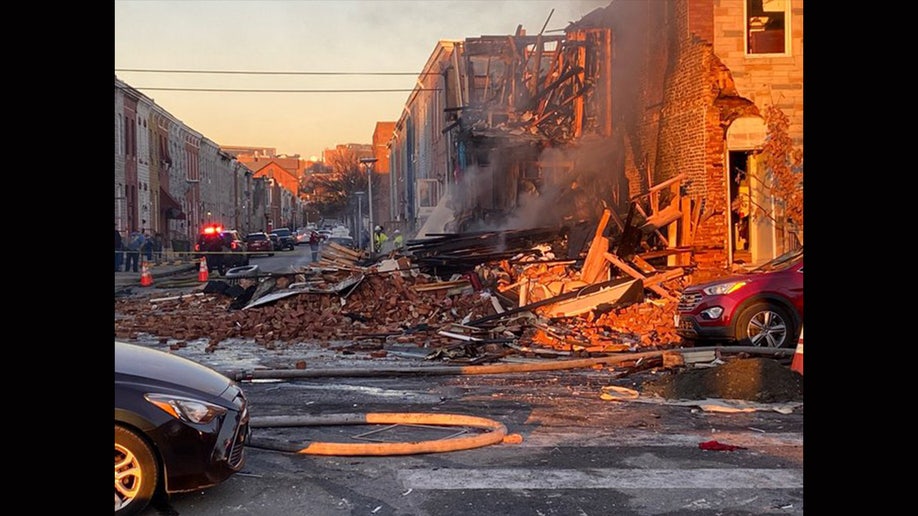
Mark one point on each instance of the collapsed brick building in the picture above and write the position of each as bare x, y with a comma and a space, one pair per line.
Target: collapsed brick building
655, 110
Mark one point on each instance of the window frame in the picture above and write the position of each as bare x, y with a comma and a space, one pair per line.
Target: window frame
428, 190
747, 32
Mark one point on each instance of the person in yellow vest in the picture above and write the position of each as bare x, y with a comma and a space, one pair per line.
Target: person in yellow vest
379, 238
397, 241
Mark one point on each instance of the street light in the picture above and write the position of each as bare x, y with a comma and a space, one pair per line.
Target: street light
368, 162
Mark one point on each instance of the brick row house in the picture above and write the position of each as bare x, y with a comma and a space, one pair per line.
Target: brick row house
285, 206
171, 180
657, 110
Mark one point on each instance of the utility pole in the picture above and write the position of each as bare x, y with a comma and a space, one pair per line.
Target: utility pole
368, 163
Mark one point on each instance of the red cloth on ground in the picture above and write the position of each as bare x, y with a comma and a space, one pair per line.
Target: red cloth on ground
716, 446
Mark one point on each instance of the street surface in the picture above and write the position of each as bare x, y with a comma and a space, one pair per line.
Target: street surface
579, 454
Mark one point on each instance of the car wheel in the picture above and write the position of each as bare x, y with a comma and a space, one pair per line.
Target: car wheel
764, 325
136, 472
270, 254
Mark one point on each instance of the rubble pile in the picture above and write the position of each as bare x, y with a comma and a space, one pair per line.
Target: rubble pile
470, 316
473, 296
380, 306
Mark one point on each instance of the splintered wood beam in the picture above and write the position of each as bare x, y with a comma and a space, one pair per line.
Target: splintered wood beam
664, 276
662, 218
595, 267
659, 186
657, 231
642, 264
635, 274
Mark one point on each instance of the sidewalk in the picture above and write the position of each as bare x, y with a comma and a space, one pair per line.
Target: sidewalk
129, 279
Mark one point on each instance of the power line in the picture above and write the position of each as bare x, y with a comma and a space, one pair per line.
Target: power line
227, 90
241, 72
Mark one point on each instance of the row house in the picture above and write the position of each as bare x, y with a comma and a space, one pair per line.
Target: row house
387, 211
170, 179
283, 208
654, 109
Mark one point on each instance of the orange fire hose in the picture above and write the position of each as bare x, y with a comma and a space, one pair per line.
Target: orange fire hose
496, 433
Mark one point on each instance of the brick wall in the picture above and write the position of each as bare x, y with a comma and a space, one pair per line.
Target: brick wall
676, 127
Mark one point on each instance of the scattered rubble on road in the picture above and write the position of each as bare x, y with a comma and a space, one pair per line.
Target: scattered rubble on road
468, 299
471, 297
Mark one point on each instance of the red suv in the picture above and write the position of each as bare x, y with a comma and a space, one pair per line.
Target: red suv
761, 308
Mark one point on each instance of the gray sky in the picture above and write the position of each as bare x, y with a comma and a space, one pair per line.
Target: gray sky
303, 36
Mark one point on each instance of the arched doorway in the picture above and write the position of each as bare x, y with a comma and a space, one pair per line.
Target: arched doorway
750, 202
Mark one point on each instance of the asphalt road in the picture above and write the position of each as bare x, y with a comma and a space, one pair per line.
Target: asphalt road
579, 454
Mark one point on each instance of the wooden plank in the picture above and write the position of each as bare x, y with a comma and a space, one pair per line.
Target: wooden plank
635, 274
696, 221
665, 252
657, 231
440, 285
662, 218
660, 186
642, 264
664, 276
595, 266
342, 249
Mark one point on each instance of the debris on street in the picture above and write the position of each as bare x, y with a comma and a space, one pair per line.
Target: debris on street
467, 299
470, 298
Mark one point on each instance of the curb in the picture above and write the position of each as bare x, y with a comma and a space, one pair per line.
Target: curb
130, 279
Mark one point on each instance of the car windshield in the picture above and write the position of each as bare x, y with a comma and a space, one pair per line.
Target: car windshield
282, 232
257, 236
782, 262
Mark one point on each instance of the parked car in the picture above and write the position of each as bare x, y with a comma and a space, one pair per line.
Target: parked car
761, 308
302, 235
275, 240
222, 248
179, 426
286, 237
346, 241
259, 242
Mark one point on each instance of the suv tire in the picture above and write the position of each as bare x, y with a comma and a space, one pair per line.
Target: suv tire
766, 325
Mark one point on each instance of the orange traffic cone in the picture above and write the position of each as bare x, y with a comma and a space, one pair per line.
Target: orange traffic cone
797, 362
202, 270
146, 279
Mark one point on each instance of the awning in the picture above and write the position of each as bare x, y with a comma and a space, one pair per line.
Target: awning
173, 213
169, 205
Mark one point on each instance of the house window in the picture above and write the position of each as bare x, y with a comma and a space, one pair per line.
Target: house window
767, 26
428, 193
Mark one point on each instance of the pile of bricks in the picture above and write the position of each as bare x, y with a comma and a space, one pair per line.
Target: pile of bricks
392, 307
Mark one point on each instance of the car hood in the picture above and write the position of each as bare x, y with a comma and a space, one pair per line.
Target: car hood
767, 277
164, 368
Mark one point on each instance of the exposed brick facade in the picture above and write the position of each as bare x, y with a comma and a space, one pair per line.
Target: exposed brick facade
688, 57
